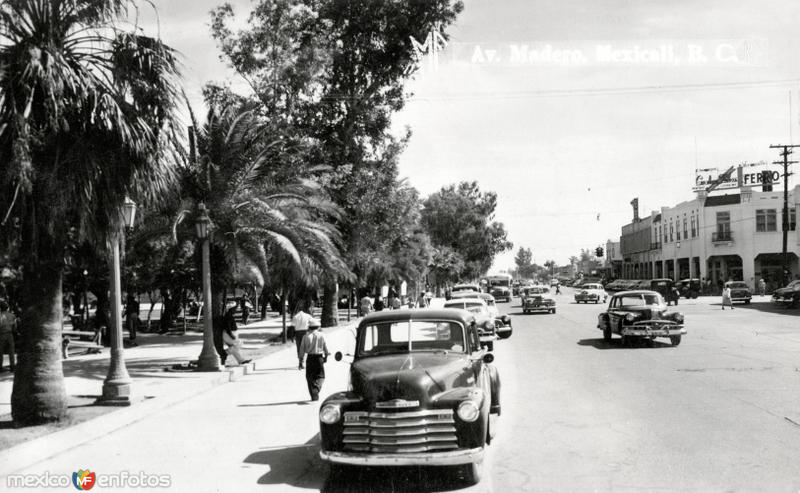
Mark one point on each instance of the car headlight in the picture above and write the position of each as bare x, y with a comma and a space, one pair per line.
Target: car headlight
679, 318
468, 411
630, 317
489, 325
330, 414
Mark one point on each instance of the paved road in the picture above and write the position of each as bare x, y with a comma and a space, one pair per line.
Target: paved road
721, 412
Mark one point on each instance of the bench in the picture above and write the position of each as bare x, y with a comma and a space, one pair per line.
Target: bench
71, 339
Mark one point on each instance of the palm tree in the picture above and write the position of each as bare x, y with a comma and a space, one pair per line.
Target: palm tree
86, 118
262, 216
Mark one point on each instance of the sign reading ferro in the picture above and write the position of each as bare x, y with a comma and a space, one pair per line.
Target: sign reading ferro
747, 175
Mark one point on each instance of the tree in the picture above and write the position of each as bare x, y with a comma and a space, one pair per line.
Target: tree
87, 117
461, 219
524, 262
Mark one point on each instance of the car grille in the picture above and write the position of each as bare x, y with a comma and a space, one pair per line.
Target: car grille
400, 432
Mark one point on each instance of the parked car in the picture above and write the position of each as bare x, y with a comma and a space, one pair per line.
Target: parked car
666, 288
483, 317
788, 294
422, 392
501, 293
541, 301
591, 292
468, 288
690, 288
740, 291
502, 323
640, 314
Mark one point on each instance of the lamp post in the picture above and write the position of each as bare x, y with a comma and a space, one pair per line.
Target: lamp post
208, 360
117, 385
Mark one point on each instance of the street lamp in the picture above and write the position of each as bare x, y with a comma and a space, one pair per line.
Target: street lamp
208, 360
117, 385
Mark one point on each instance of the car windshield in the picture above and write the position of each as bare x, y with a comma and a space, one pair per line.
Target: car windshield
472, 307
411, 336
634, 300
456, 289
740, 285
592, 286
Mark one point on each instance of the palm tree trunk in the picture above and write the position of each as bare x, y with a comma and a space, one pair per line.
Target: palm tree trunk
39, 395
330, 313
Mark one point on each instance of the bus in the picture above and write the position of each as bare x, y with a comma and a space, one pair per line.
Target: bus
500, 286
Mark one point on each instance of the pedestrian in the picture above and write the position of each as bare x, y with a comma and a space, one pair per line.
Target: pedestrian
8, 324
378, 304
245, 305
726, 297
397, 303
558, 289
231, 337
762, 287
315, 351
365, 306
300, 323
132, 317
421, 301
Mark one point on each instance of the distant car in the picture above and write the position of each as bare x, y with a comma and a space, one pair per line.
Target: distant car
690, 288
554, 282
422, 390
740, 291
468, 288
538, 300
501, 293
640, 314
502, 323
484, 319
592, 292
788, 294
665, 286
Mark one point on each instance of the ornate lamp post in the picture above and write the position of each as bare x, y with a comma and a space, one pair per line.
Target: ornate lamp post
208, 360
117, 385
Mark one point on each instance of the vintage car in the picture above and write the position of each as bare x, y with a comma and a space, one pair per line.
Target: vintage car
592, 292
690, 288
422, 390
788, 294
538, 300
465, 288
501, 293
485, 320
502, 323
665, 287
740, 291
640, 314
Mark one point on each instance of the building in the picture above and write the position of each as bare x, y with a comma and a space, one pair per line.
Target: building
733, 236
613, 262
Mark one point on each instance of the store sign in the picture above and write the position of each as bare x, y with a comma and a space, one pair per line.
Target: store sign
746, 175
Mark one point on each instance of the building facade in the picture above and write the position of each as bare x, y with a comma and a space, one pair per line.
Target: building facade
735, 236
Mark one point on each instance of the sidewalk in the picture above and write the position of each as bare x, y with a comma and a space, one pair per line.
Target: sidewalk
154, 386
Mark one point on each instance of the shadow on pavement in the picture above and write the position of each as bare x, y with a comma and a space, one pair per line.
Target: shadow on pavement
765, 306
294, 465
616, 343
269, 404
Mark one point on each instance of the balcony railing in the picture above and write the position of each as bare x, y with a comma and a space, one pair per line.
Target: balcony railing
721, 236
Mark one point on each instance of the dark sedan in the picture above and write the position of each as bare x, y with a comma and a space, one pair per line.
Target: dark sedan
640, 315
422, 392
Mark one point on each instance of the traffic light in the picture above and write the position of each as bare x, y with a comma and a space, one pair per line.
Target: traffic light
598, 252
766, 181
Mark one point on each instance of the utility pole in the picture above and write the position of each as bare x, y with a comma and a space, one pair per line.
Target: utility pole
787, 149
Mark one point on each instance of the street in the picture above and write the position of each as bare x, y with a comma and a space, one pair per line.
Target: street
721, 412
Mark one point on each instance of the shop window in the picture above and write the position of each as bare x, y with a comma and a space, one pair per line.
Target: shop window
766, 220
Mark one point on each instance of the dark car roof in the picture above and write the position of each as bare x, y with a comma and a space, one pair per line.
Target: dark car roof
462, 316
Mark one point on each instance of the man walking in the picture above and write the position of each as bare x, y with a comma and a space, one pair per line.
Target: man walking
8, 323
300, 323
315, 351
132, 317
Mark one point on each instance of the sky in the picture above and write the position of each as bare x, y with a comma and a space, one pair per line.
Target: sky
570, 109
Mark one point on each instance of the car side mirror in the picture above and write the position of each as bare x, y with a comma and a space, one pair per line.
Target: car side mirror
488, 358
338, 356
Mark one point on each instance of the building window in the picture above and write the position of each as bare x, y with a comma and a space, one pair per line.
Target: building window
670, 231
685, 230
694, 226
792, 219
723, 227
766, 220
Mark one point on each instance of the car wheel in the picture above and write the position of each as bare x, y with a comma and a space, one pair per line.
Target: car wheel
473, 472
675, 340
746, 302
504, 335
490, 346
553, 310
626, 341
607, 332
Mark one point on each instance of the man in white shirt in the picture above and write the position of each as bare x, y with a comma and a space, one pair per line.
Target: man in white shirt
315, 351
300, 323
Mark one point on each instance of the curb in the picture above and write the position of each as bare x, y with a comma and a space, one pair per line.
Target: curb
26, 454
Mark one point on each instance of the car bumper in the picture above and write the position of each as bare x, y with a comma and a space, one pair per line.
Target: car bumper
653, 330
449, 458
539, 308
